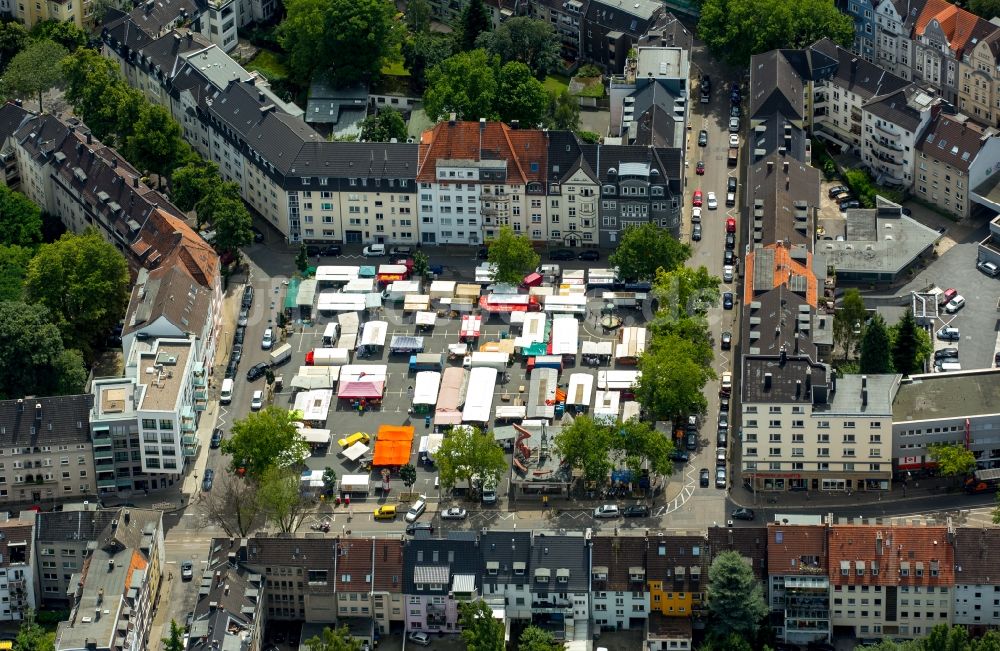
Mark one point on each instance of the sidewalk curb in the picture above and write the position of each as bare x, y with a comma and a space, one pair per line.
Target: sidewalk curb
910, 497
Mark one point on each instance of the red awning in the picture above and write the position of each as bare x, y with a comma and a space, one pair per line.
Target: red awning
361, 389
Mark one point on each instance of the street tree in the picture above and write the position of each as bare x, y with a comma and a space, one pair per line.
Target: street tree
952, 459
640, 446
408, 475
644, 249
564, 111
586, 445
13, 39
464, 84
731, 642
421, 265
527, 40
911, 345
736, 29
175, 640
673, 378
521, 97
14, 262
467, 452
480, 630
34, 70
685, 292
302, 259
876, 353
418, 16
83, 280
383, 126
692, 329
423, 51
334, 639
263, 439
329, 480
511, 256
99, 95
849, 320
156, 144
20, 219
735, 597
64, 32
534, 638
192, 181
32, 637
343, 40
475, 20
223, 208
985, 8
233, 505
280, 494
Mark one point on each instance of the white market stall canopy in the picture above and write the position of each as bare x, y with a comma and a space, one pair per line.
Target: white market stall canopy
356, 451
575, 304
479, 396
616, 380
442, 288
314, 405
307, 293
425, 391
374, 333
597, 348
631, 409
416, 302
632, 343
606, 405
314, 436
601, 277
327, 274
330, 301
359, 286
565, 336
426, 319
581, 385
354, 484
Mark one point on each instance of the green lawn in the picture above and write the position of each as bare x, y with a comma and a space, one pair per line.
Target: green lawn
556, 83
393, 64
266, 63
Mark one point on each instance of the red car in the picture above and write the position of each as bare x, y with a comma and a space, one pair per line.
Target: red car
700, 167
697, 198
730, 225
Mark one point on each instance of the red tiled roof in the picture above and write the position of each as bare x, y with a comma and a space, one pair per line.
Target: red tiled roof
177, 245
784, 268
389, 565
922, 552
796, 549
483, 141
958, 24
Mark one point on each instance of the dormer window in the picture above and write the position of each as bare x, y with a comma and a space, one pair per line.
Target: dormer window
543, 574
609, 189
600, 573
562, 575
492, 567
519, 569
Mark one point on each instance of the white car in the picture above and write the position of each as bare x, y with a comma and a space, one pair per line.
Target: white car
727, 273
695, 215
734, 140
734, 124
374, 251
268, 340
419, 638
257, 401
955, 304
713, 203
988, 268
607, 511
417, 509
454, 513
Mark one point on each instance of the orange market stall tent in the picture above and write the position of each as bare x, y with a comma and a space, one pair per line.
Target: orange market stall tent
392, 445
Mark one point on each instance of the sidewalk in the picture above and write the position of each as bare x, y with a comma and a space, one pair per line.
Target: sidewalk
914, 490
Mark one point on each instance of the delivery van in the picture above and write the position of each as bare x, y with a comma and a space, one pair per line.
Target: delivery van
226, 395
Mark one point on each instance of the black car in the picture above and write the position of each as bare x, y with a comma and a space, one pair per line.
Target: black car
258, 237
248, 296
703, 138
206, 482
313, 250
482, 253
216, 437
703, 477
332, 249
589, 254
850, 203
237, 354
727, 301
691, 441
742, 514
730, 241
636, 511
244, 316
231, 370
947, 353
696, 232
256, 371
400, 250
241, 332
562, 254
412, 529
723, 420
731, 184
680, 456
729, 257
734, 111
727, 341
722, 437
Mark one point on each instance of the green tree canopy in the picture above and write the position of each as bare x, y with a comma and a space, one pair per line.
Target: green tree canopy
263, 439
223, 208
345, 40
32, 358
34, 70
32, 637
14, 261
673, 378
985, 8
233, 504
418, 16
467, 452
408, 475
65, 33
189, 183
596, 448
952, 459
280, 494
100, 96
475, 20
13, 39
527, 40
735, 596
464, 84
521, 96
423, 51
586, 444
383, 126
849, 320
911, 345
644, 249
20, 219
684, 292
480, 630
175, 640
84, 282
876, 354
334, 639
736, 29
564, 111
156, 144
534, 638
512, 256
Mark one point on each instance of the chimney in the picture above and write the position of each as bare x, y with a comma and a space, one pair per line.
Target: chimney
854, 66
114, 163
20, 405
127, 517
451, 119
782, 356
864, 397
864, 381
90, 139
785, 166
514, 124
767, 381
111, 564
482, 124
770, 165
878, 543
38, 412
135, 181
798, 388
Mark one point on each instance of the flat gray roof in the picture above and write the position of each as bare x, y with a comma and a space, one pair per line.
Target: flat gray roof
877, 243
948, 395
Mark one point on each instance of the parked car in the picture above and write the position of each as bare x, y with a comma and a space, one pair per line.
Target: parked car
723, 420
720, 457
357, 437
726, 386
955, 304
703, 476
257, 400
590, 254
562, 254
703, 138
700, 167
240, 333
729, 257
695, 215
720, 477
385, 512
742, 514
419, 638
730, 199
730, 241
948, 334
734, 111
835, 191
691, 441
216, 438
412, 529
726, 341
730, 224
696, 199
727, 301
989, 268
453, 513
713, 203
680, 456
207, 479
696, 232
607, 511
256, 371
187, 571
401, 250
734, 140
332, 249
313, 250
734, 125
417, 509
722, 437
231, 369
373, 251
258, 236
482, 253
268, 339
237, 354
947, 295
247, 296
241, 320
849, 205
947, 353
636, 511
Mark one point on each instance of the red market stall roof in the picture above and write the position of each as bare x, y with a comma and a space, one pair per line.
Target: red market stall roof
392, 445
361, 389
471, 325
509, 303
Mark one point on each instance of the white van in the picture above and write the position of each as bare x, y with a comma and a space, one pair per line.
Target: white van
948, 367
330, 335
226, 396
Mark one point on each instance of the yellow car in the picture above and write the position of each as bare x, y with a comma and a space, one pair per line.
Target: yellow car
385, 512
348, 441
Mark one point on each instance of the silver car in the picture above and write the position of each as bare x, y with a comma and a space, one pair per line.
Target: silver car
727, 273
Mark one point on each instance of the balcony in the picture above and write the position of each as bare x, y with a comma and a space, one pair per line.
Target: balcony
101, 455
198, 375
189, 439
888, 130
107, 483
886, 146
190, 451
101, 438
104, 464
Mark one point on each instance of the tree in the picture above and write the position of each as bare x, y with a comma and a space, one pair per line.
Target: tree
263, 439
34, 70
848, 320
673, 378
281, 497
100, 96
330, 639
464, 84
521, 96
175, 641
564, 111
223, 208
731, 642
876, 354
534, 638
418, 16
527, 40
422, 52
190, 182
345, 40
480, 630
985, 8
13, 39
65, 33
467, 452
685, 292
32, 637
329, 480
408, 475
233, 505
302, 259
644, 249
421, 265
20, 219
84, 282
475, 20
14, 262
596, 448
907, 356
586, 444
736, 29
735, 597
511, 256
952, 459
383, 126
640, 446
156, 144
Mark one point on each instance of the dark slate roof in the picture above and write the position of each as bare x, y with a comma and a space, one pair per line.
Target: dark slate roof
505, 548
776, 87
910, 11
59, 526
565, 156
777, 305
456, 554
654, 124
750, 542
897, 107
559, 552
623, 15
157, 16
953, 140
667, 162
667, 31
311, 553
61, 420
774, 132
858, 75
224, 613
673, 559
165, 53
129, 528
11, 117
976, 562
619, 558
780, 189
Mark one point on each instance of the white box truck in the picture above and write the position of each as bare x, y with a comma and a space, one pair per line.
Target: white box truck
281, 354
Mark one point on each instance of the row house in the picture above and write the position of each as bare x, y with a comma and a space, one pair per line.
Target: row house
894, 125
977, 583
952, 149
979, 85
228, 612
560, 582
505, 557
611, 28
621, 598
438, 575
942, 35
798, 586
18, 571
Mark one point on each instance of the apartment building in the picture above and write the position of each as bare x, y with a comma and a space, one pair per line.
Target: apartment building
18, 569
979, 90
865, 26
506, 579
977, 583
572, 202
112, 596
894, 125
567, 19
47, 452
638, 185
560, 581
354, 581
388, 602
798, 584
32, 12
890, 582
612, 27
228, 612
946, 154
894, 27
650, 101
942, 35
748, 542
677, 577
438, 574
619, 596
